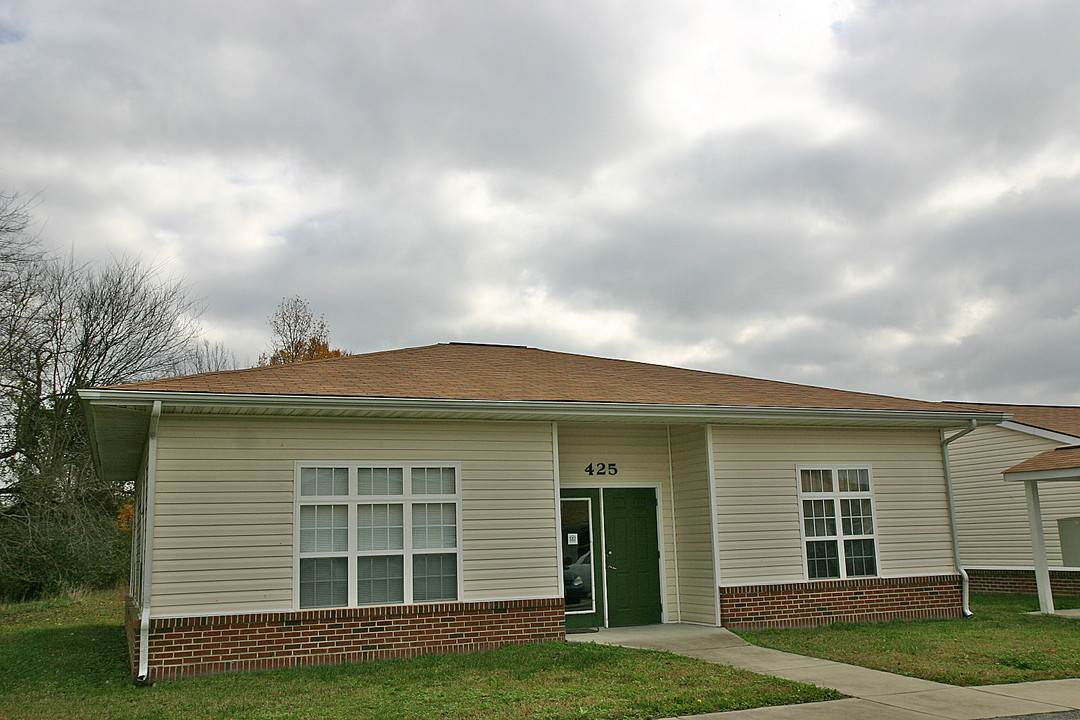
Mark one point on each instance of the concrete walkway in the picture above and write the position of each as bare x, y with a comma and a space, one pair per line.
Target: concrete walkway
875, 695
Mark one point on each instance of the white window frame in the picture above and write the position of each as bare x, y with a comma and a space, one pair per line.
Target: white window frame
352, 500
836, 496
596, 552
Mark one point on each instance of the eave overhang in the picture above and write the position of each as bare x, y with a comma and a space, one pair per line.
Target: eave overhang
117, 417
1061, 475
517, 409
1029, 429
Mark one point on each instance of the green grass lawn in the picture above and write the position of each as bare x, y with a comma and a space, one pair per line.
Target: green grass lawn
67, 659
1000, 644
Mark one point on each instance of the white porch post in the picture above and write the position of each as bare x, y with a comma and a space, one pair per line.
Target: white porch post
1038, 546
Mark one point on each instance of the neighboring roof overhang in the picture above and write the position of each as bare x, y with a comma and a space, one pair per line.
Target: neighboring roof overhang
1057, 465
119, 419
1040, 432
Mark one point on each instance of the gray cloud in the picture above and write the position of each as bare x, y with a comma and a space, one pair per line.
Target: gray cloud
529, 173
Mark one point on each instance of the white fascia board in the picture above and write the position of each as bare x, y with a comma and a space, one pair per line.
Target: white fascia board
1063, 475
673, 412
1040, 432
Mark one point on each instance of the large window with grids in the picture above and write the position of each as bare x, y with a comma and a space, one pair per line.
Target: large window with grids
837, 509
377, 535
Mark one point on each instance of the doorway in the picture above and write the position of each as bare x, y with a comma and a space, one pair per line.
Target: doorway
610, 557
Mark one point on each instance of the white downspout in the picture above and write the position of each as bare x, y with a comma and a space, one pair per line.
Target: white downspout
148, 545
964, 583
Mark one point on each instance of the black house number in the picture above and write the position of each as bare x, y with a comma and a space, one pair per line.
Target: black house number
601, 469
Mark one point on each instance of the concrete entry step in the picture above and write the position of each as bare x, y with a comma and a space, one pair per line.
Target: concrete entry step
676, 638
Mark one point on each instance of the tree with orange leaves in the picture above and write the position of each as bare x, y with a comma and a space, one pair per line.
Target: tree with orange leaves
298, 335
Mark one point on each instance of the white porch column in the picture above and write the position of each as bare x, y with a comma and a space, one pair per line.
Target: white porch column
1038, 546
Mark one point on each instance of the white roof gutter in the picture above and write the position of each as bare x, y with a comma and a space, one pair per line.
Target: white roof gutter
943, 418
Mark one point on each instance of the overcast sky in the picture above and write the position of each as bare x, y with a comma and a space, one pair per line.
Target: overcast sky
872, 196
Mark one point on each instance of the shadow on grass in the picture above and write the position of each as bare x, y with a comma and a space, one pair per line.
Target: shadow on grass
84, 659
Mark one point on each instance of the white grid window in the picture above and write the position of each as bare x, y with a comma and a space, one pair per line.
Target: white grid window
434, 481
379, 481
323, 481
380, 527
434, 525
837, 511
380, 579
435, 577
365, 536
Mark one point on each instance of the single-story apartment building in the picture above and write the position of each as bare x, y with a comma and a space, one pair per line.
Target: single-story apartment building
991, 514
459, 497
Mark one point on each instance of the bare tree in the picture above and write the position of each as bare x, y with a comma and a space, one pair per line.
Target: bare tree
20, 274
204, 356
94, 326
21, 280
80, 326
14, 216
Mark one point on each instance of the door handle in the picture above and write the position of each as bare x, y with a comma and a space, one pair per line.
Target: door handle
612, 567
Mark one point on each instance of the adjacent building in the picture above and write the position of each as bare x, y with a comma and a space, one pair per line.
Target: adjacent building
992, 515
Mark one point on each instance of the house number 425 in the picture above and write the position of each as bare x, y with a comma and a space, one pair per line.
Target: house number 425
601, 469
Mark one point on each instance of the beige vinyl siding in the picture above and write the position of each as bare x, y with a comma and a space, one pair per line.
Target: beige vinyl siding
757, 498
991, 514
224, 509
641, 455
693, 528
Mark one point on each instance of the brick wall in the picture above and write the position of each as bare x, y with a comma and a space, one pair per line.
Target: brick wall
755, 607
1065, 583
190, 647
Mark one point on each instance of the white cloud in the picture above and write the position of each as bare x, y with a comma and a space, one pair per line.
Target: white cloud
533, 309
969, 318
980, 189
723, 68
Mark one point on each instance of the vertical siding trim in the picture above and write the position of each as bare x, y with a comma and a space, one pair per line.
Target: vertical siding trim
674, 530
603, 557
557, 483
138, 530
148, 545
714, 529
664, 615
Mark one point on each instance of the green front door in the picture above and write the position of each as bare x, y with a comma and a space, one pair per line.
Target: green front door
632, 556
623, 574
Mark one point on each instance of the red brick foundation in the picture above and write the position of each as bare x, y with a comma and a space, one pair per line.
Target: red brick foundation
755, 607
1064, 583
190, 647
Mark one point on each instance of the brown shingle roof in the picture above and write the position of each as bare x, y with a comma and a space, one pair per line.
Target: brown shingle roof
461, 371
1066, 457
1057, 418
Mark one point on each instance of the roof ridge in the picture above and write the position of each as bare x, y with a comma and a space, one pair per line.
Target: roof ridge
712, 373
1013, 405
